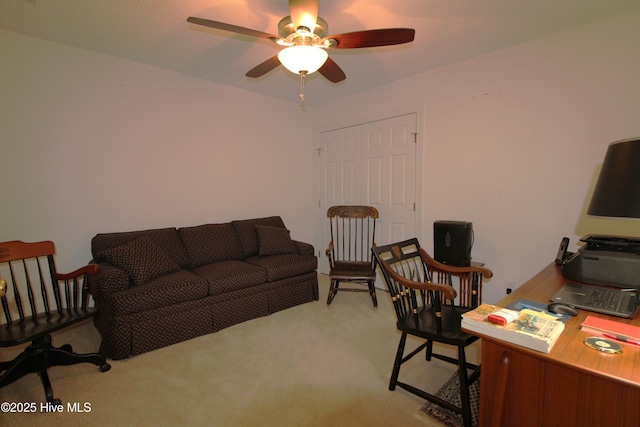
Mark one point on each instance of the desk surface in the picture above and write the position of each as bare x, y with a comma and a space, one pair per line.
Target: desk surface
570, 349
572, 386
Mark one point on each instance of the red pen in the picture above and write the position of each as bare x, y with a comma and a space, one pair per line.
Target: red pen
622, 338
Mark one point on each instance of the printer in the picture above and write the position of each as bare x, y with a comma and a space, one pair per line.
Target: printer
606, 260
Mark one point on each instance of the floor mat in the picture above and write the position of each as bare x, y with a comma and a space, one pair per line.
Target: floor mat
450, 392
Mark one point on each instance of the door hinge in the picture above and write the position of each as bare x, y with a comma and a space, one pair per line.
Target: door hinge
319, 203
415, 137
414, 206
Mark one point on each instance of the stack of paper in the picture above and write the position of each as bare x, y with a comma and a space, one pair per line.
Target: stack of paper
533, 329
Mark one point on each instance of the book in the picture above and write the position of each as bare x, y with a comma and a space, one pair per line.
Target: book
532, 329
520, 304
602, 327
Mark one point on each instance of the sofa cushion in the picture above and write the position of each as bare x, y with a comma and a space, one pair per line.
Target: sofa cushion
283, 266
274, 241
230, 275
246, 232
166, 238
142, 259
211, 243
163, 291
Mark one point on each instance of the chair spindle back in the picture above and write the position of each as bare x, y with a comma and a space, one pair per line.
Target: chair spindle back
404, 260
353, 230
29, 269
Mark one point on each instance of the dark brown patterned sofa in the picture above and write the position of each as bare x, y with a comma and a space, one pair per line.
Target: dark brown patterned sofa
163, 286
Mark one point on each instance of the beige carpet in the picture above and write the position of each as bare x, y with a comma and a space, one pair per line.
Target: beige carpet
310, 365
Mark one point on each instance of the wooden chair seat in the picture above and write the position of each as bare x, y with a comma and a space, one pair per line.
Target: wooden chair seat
43, 324
353, 271
425, 323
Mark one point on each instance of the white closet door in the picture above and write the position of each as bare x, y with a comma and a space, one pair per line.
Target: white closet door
370, 164
389, 157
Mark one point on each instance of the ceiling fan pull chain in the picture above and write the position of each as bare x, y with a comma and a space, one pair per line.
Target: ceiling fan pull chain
303, 75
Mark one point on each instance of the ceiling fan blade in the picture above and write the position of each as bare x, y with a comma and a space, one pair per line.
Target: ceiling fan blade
232, 28
332, 72
304, 13
262, 69
373, 38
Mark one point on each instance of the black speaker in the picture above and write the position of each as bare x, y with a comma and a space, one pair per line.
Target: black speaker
452, 242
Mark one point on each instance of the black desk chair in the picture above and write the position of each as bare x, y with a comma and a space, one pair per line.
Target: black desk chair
426, 310
353, 230
53, 302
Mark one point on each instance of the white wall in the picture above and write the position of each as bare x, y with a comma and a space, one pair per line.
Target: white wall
90, 143
512, 140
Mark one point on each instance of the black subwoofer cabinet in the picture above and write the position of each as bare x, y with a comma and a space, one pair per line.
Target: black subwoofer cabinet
452, 242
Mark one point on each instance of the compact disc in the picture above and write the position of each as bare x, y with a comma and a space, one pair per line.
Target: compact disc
604, 345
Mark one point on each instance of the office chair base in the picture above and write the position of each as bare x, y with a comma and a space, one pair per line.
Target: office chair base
41, 355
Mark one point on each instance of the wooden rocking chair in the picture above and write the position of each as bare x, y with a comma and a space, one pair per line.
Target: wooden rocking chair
353, 230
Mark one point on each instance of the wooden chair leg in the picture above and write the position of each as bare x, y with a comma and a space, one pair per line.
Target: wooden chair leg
14, 369
372, 292
333, 289
464, 388
398, 362
429, 351
46, 384
61, 356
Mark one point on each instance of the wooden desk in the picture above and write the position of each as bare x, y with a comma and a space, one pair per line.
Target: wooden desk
573, 385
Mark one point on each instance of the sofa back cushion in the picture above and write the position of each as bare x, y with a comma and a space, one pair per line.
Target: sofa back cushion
166, 239
211, 243
141, 259
274, 241
247, 234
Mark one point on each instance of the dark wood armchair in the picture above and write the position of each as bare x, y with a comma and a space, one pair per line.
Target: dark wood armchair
426, 310
37, 301
353, 230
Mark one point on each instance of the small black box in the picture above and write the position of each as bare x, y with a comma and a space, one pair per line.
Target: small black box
452, 242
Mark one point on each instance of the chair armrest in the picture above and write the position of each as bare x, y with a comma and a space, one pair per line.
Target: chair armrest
329, 253
447, 290
329, 249
87, 269
446, 268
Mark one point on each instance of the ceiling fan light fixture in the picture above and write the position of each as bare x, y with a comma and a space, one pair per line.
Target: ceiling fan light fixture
304, 31
302, 58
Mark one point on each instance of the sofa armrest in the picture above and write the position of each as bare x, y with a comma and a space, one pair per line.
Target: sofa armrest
109, 280
304, 248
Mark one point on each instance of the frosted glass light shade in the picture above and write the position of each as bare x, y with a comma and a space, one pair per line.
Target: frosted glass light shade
302, 58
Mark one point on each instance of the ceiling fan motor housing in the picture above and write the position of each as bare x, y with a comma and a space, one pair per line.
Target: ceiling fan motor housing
286, 29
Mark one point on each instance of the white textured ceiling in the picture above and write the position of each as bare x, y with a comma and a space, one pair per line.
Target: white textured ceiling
155, 32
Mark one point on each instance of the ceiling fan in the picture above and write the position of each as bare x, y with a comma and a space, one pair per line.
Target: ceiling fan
304, 35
